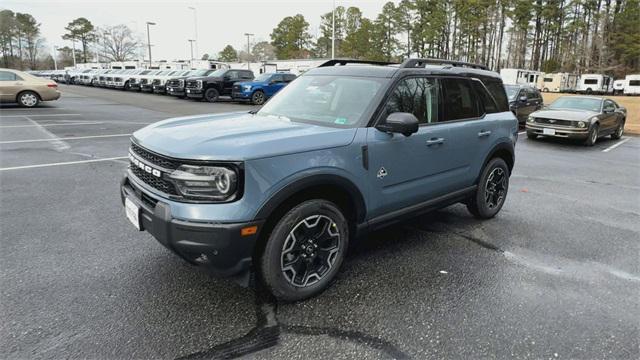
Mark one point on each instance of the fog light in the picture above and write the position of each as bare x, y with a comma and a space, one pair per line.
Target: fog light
581, 124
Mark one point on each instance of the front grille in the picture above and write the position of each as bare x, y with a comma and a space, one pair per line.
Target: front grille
118, 79
109, 78
154, 159
143, 81
554, 122
193, 84
175, 83
156, 82
236, 88
153, 181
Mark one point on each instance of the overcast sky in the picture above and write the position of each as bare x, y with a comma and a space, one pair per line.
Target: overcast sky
220, 22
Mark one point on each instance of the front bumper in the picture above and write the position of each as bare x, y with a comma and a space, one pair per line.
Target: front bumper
241, 96
175, 91
159, 89
134, 86
560, 131
194, 93
218, 247
146, 87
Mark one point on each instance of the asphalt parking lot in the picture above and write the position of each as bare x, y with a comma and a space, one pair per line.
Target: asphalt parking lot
554, 275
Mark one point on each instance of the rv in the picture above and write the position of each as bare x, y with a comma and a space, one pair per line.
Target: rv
618, 86
520, 77
632, 84
558, 82
595, 84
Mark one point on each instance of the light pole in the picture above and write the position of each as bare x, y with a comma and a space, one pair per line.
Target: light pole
104, 47
333, 31
149, 40
55, 55
191, 41
248, 50
73, 50
195, 27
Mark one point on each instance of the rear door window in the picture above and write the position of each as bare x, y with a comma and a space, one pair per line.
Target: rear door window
459, 101
7, 76
484, 97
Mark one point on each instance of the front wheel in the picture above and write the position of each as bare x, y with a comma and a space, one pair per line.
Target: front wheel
257, 98
593, 136
305, 250
28, 99
492, 190
211, 95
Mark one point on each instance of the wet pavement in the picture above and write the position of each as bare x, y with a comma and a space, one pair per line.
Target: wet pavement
554, 275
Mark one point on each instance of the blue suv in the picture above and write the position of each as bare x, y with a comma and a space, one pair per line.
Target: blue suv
346, 148
261, 88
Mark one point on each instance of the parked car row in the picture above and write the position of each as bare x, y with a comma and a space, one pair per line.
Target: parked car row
203, 84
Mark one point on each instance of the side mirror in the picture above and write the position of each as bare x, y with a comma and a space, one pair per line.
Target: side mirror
400, 122
523, 99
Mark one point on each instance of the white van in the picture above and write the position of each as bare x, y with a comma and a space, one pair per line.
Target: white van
632, 84
558, 82
520, 77
595, 84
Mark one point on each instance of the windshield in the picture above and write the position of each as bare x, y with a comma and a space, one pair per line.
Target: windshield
512, 91
577, 103
326, 100
263, 77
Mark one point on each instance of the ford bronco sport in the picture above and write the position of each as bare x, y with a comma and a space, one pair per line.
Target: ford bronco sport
347, 148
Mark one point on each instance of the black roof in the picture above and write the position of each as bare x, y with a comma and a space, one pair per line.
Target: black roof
345, 67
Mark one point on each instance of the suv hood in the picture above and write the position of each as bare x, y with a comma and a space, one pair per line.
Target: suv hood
205, 78
237, 136
565, 114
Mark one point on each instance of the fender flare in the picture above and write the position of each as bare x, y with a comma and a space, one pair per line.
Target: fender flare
296, 186
501, 147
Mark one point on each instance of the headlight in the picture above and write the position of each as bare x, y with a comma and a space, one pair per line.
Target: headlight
531, 119
199, 83
247, 87
205, 182
582, 124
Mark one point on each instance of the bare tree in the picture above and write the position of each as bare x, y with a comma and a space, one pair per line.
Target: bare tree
119, 43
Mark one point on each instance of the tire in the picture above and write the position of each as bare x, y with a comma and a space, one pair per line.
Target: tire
304, 251
545, 90
258, 97
619, 131
589, 91
127, 86
593, 136
492, 190
28, 99
531, 135
211, 95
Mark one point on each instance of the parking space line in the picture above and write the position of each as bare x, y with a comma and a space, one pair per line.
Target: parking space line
522, 132
58, 145
46, 125
65, 139
36, 115
63, 163
616, 144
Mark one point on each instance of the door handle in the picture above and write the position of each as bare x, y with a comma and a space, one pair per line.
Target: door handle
484, 133
435, 141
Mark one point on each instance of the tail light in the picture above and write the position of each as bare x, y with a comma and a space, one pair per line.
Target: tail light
52, 85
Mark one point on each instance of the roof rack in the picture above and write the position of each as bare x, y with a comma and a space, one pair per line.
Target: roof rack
334, 62
416, 63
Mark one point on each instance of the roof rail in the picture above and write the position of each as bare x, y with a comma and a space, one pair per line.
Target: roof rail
416, 63
334, 62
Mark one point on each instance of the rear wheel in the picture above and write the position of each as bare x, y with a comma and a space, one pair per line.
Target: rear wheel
305, 250
257, 98
211, 95
492, 190
28, 99
619, 131
593, 136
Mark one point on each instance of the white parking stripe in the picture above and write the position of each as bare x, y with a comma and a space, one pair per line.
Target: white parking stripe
46, 125
63, 163
32, 115
522, 132
58, 145
616, 144
65, 139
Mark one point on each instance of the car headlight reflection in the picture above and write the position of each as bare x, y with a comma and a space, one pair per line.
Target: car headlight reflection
205, 182
531, 119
